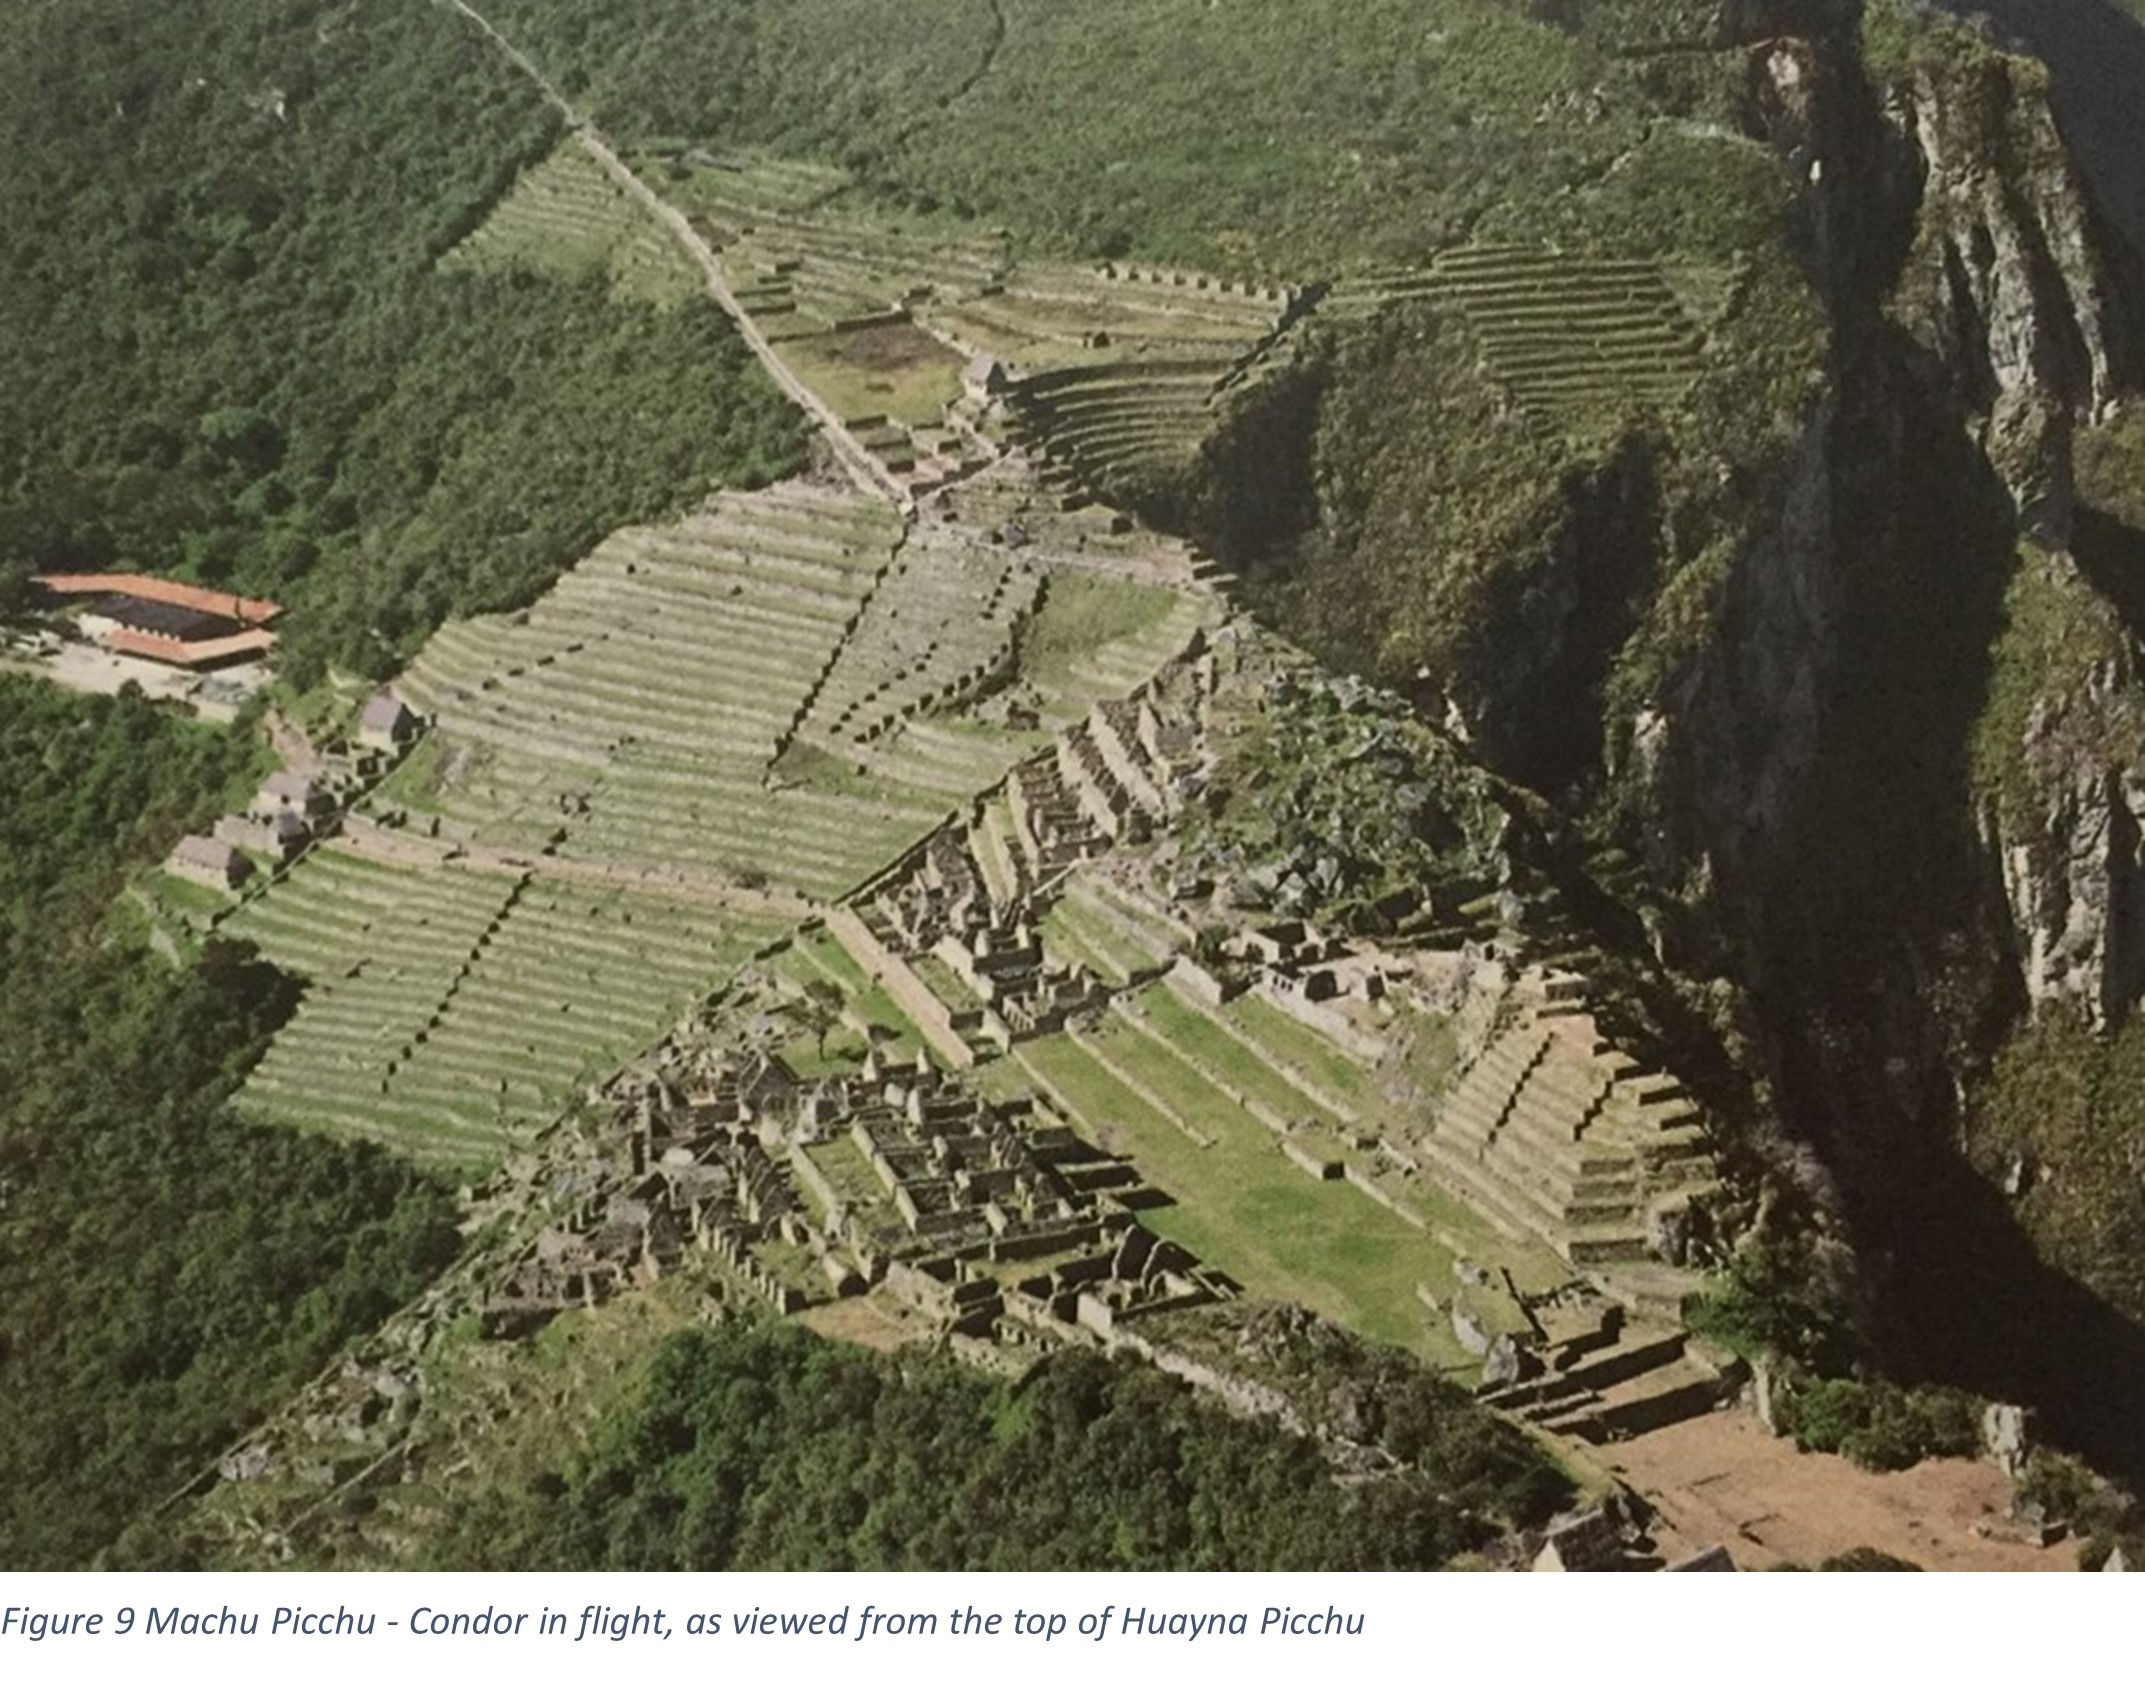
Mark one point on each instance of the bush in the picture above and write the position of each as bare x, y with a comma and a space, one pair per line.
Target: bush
1881, 1426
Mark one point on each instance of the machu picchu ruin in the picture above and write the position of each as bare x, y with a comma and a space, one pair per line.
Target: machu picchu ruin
1392, 752
1027, 1008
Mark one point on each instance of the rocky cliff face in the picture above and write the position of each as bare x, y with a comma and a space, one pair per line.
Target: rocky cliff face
2012, 289
1715, 765
2008, 285
1973, 297
2064, 752
2076, 891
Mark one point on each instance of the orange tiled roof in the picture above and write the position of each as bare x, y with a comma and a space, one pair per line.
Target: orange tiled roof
167, 593
188, 652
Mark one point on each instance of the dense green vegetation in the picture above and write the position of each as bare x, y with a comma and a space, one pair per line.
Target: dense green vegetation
2062, 1118
226, 344
763, 1447
171, 1274
1880, 1425
1276, 135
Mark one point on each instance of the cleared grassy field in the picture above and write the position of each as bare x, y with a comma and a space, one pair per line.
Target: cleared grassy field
567, 217
1242, 1206
893, 370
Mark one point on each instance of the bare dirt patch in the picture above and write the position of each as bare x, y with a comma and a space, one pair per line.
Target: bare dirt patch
1722, 1479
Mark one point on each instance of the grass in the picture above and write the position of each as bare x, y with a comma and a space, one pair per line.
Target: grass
450, 1016
893, 370
1079, 615
1067, 939
1214, 1045
187, 899
1242, 1207
1319, 1059
1075, 932
567, 217
850, 1175
817, 956
414, 783
946, 986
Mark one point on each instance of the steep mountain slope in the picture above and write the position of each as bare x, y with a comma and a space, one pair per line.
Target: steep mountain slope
2095, 51
1826, 631
1717, 419
1863, 696
229, 340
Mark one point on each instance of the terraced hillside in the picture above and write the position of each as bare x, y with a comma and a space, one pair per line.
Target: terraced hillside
802, 266
1114, 422
449, 1013
632, 716
567, 215
940, 628
1576, 340
877, 315
1044, 316
1556, 1135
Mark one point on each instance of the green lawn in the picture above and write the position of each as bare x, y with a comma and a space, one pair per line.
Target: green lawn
1073, 935
894, 371
414, 783
1079, 615
1320, 1060
1213, 1045
1244, 1208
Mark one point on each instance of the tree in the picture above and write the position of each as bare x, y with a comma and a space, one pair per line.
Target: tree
14, 588
819, 1011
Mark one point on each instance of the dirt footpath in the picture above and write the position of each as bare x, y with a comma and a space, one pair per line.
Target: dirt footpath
1722, 1479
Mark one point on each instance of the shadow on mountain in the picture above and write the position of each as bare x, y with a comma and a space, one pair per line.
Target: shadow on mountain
2111, 554
1967, 1300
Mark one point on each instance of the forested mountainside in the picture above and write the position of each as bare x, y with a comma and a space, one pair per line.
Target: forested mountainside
228, 330
228, 345
1710, 426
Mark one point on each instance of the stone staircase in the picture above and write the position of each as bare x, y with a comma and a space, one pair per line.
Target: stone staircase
1553, 1134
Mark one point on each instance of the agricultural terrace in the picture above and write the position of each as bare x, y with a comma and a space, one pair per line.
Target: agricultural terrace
1046, 316
769, 692
1129, 419
450, 1013
1098, 637
567, 216
941, 628
800, 265
878, 315
1096, 926
1576, 340
631, 717
1049, 509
